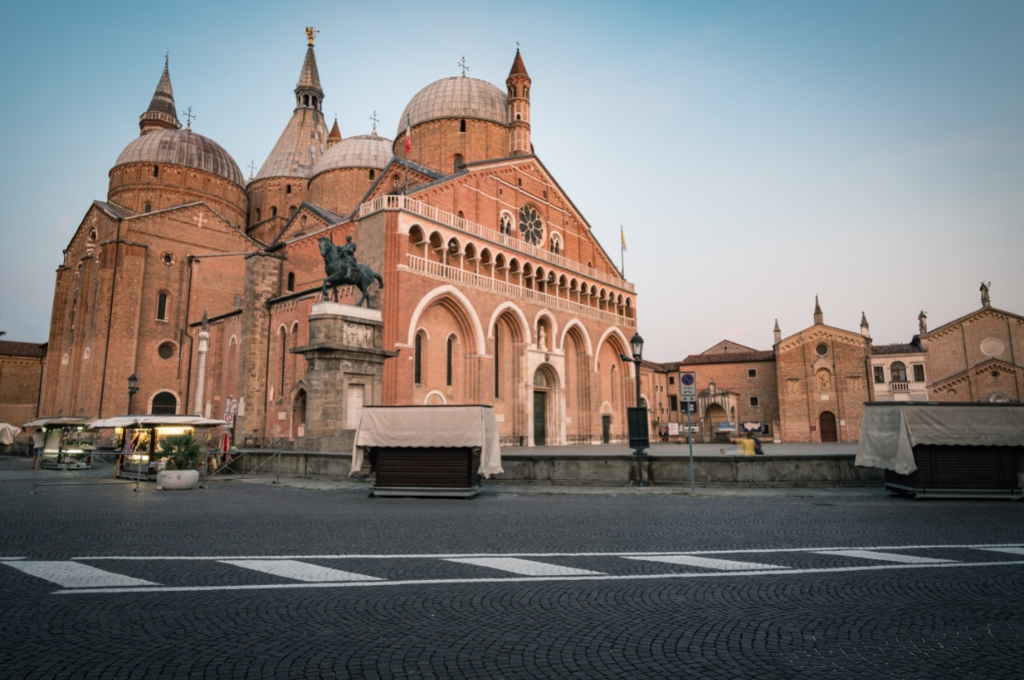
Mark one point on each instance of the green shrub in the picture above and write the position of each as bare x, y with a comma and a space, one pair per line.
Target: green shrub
181, 451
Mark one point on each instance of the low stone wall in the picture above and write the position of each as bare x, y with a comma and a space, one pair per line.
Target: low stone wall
523, 468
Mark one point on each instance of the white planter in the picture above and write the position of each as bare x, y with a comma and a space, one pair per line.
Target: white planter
175, 480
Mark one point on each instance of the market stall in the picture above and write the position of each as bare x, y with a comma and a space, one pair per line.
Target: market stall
945, 450
428, 450
69, 444
138, 439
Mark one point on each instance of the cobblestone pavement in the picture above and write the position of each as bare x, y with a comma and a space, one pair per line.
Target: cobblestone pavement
264, 581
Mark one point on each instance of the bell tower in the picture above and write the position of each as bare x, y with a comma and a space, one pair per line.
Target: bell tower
518, 83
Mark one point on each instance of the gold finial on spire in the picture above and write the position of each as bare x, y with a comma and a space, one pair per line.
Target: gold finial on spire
311, 34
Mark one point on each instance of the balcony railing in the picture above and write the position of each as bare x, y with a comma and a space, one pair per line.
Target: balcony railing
447, 272
899, 387
397, 202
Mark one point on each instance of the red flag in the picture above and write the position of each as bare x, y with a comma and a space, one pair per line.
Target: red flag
408, 135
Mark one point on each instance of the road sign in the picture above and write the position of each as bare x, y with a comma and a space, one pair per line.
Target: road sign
687, 387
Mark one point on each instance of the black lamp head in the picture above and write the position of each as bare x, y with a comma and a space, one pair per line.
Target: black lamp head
638, 346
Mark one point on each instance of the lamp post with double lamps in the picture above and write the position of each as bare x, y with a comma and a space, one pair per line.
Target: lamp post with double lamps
637, 345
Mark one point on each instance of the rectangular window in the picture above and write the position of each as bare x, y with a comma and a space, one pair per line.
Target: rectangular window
449, 371
672, 405
161, 307
879, 375
918, 372
751, 372
671, 380
753, 401
497, 369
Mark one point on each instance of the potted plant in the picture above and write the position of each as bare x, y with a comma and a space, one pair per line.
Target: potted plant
182, 454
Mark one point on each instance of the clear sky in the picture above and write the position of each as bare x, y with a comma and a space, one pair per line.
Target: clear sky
758, 153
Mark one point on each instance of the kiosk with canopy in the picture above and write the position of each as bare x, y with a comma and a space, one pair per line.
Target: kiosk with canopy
428, 450
951, 450
69, 443
138, 439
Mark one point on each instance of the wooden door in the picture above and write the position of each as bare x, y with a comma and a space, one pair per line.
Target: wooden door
606, 429
539, 419
827, 422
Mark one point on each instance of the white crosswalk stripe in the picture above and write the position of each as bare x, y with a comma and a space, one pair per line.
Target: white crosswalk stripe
706, 562
300, 571
884, 556
76, 575
1009, 551
524, 567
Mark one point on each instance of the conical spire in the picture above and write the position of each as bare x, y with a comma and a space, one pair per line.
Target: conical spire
864, 328
518, 67
777, 334
335, 135
818, 316
305, 137
309, 77
161, 112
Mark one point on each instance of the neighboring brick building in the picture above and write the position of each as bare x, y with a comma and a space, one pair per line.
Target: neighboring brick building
496, 291
21, 374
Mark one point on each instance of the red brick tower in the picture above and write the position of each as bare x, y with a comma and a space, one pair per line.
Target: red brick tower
518, 83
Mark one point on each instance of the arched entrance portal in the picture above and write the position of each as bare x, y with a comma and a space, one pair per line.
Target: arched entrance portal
713, 415
827, 421
545, 389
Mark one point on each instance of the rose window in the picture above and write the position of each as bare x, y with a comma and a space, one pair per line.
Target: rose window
530, 225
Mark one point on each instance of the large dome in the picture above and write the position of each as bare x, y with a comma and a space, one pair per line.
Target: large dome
361, 151
182, 147
456, 97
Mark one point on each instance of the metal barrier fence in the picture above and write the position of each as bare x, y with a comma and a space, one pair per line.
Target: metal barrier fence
229, 462
104, 467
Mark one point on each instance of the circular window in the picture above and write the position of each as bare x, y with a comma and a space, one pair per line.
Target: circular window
530, 225
168, 259
992, 347
821, 349
166, 350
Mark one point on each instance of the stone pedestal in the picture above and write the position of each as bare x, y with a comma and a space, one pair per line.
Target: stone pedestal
344, 364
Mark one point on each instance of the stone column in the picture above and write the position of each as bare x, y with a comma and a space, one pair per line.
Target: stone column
204, 342
262, 277
344, 358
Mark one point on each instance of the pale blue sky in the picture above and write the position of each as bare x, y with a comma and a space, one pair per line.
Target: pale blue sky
758, 153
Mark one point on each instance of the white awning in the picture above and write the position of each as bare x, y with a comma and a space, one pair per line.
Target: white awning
59, 421
430, 426
155, 421
889, 432
8, 433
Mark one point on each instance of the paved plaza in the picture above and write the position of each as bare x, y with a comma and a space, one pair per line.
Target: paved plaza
305, 580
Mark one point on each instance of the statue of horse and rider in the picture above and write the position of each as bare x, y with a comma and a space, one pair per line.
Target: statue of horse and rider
342, 269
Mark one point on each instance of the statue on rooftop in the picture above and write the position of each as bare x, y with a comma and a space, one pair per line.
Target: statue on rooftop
985, 299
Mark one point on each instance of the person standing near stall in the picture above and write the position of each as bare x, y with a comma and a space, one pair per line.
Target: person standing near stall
38, 442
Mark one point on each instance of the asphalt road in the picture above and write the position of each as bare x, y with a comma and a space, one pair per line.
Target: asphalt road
259, 581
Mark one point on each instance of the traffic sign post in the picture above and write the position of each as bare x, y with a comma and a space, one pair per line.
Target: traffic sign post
688, 395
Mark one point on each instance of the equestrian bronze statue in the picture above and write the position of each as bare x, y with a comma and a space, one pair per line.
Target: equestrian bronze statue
342, 269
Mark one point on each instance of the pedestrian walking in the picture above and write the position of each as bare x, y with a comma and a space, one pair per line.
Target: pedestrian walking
746, 446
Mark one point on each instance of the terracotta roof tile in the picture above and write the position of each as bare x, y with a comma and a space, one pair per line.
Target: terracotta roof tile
896, 348
22, 349
729, 358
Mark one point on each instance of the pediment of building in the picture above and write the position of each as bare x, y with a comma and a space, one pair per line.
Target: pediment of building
820, 332
308, 219
973, 317
975, 371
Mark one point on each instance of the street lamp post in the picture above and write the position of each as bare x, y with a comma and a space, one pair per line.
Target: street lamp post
637, 345
132, 389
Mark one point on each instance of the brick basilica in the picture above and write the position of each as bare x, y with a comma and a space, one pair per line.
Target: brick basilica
496, 292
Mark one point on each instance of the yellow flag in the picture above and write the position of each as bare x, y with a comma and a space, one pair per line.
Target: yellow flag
622, 233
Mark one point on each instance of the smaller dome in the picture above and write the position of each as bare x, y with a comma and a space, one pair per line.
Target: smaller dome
361, 151
182, 147
456, 97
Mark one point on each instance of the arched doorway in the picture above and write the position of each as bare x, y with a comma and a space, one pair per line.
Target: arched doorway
544, 384
827, 421
299, 414
165, 404
713, 415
